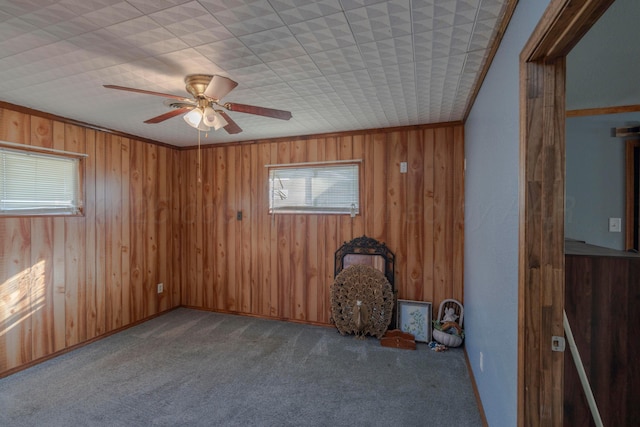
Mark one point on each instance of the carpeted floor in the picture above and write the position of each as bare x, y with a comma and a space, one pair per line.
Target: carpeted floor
196, 368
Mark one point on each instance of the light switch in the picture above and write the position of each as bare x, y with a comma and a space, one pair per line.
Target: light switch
615, 225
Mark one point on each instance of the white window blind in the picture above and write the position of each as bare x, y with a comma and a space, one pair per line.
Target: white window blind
38, 184
318, 189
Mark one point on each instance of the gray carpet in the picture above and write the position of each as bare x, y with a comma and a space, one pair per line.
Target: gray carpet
197, 368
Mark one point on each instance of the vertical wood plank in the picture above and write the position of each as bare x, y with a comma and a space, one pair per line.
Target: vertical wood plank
75, 263
244, 252
209, 247
414, 287
15, 310
41, 280
92, 297
299, 248
457, 213
100, 233
127, 309
428, 239
114, 198
163, 221
137, 295
178, 183
231, 235
15, 255
396, 229
151, 199
59, 282
220, 242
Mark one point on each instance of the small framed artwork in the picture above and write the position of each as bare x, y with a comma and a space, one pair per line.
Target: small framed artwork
414, 317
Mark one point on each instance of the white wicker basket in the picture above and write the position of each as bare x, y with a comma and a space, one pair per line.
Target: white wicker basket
447, 339
443, 337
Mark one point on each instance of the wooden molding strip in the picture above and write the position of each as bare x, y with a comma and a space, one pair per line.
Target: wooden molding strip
604, 110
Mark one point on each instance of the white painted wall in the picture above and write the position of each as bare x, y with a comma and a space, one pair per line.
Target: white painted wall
603, 70
595, 183
491, 224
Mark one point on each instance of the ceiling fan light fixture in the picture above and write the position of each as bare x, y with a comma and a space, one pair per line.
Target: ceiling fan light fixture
193, 118
214, 119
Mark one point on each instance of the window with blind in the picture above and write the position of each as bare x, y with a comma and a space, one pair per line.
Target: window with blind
315, 188
34, 183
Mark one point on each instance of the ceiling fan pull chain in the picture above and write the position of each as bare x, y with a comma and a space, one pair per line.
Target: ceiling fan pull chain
199, 156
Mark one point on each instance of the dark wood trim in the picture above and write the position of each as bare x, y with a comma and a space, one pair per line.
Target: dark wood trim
603, 110
630, 223
542, 179
509, 8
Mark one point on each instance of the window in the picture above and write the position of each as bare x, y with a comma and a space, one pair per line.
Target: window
35, 183
314, 188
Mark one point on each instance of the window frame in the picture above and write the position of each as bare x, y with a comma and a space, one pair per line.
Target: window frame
311, 210
78, 210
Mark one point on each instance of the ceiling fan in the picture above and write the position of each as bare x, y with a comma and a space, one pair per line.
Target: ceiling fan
202, 111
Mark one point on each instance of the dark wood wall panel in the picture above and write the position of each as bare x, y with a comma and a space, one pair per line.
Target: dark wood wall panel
602, 303
67, 280
282, 266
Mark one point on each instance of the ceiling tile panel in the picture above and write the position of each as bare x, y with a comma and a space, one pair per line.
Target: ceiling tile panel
297, 68
113, 14
397, 50
294, 11
325, 33
49, 15
230, 53
335, 64
274, 45
244, 17
339, 60
381, 21
72, 27
151, 6
192, 23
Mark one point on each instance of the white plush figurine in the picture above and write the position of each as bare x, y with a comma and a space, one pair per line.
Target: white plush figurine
449, 315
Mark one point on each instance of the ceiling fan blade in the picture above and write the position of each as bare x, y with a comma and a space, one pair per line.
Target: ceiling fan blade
231, 127
147, 92
260, 111
219, 87
168, 115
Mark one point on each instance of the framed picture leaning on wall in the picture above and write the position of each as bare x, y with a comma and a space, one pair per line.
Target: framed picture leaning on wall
414, 317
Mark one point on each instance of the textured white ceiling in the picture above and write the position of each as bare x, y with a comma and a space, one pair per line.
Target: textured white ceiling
337, 65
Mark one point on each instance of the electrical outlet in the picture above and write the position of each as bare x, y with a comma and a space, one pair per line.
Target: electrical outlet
160, 288
615, 225
403, 167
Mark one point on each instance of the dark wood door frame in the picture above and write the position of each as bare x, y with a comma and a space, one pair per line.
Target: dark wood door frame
632, 225
541, 195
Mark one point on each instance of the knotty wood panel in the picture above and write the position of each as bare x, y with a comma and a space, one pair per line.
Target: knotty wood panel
66, 280
282, 266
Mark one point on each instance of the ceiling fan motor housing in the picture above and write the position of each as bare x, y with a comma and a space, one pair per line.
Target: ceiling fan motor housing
197, 83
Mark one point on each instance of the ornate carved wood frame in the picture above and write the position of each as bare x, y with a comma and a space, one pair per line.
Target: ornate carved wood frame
366, 250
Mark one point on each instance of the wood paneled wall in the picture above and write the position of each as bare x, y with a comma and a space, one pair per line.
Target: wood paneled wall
156, 214
67, 280
282, 266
